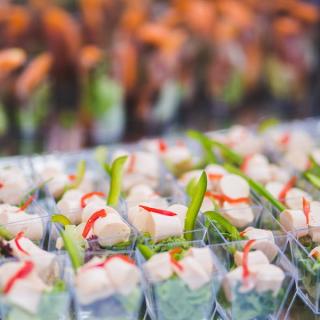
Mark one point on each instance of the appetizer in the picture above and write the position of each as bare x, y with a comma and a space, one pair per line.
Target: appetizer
181, 283
15, 219
28, 294
108, 287
140, 168
14, 185
254, 287
177, 157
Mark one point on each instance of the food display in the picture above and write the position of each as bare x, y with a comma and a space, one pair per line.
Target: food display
192, 227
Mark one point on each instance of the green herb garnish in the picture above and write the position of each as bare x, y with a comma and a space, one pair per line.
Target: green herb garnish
62, 219
146, 251
205, 143
195, 205
116, 173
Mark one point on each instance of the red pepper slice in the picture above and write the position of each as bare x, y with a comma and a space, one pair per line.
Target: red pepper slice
1, 185
160, 211
22, 273
123, 257
94, 217
289, 185
162, 145
215, 176
16, 241
216, 196
315, 253
242, 233
72, 177
285, 138
306, 209
222, 198
246, 250
132, 163
24, 206
245, 163
90, 195
173, 260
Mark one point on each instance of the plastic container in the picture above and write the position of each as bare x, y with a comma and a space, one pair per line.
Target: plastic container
68, 162
38, 219
173, 299
52, 306
308, 273
263, 219
251, 304
114, 307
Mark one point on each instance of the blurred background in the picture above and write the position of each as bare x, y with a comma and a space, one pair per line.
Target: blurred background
77, 73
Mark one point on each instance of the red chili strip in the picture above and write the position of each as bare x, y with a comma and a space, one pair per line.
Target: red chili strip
306, 209
215, 176
22, 273
16, 241
245, 163
246, 250
94, 217
173, 260
289, 185
222, 198
24, 206
90, 195
122, 257
285, 138
162, 145
242, 233
132, 163
1, 185
160, 211
72, 177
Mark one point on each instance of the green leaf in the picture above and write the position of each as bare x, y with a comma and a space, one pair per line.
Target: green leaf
195, 205
267, 124
146, 251
223, 224
313, 179
205, 143
80, 173
116, 174
73, 246
191, 186
228, 153
5, 233
60, 218
257, 187
100, 155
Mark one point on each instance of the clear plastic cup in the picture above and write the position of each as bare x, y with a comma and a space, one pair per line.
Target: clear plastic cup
36, 227
173, 299
114, 307
308, 272
54, 305
248, 303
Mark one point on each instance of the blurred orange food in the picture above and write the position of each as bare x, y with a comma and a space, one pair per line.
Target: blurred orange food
286, 26
90, 55
11, 59
35, 72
